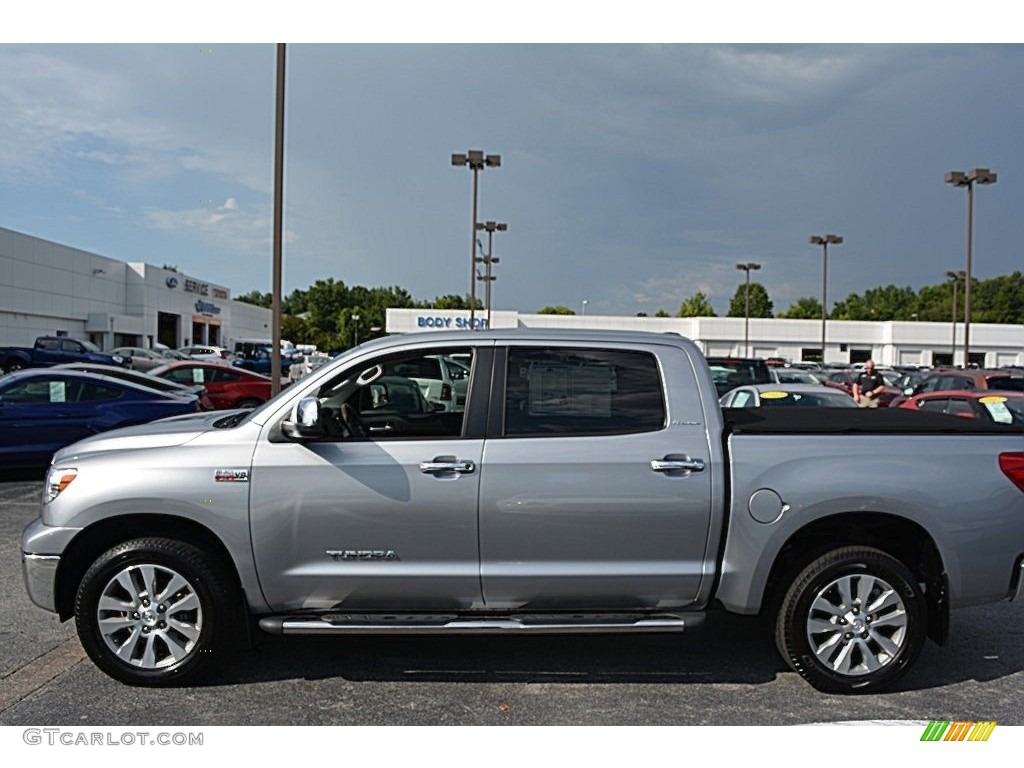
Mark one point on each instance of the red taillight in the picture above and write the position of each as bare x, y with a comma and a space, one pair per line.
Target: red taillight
1012, 465
446, 391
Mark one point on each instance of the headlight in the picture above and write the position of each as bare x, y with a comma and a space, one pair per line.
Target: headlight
117, 358
57, 479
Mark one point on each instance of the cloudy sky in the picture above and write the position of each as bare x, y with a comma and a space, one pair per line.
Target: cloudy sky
632, 175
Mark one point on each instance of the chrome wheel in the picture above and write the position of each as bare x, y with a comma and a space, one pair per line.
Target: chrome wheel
852, 621
856, 624
149, 616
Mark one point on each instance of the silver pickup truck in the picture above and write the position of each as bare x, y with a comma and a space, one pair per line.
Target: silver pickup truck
591, 483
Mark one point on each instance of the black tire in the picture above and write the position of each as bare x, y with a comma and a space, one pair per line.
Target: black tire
198, 634
13, 365
876, 638
249, 402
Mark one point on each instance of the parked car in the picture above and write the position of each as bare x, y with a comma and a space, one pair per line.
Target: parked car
143, 380
259, 361
43, 410
306, 362
592, 484
987, 405
54, 350
941, 380
443, 381
139, 358
772, 395
211, 354
226, 386
794, 376
732, 372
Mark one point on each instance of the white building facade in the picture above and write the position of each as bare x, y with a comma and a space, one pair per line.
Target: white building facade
47, 289
887, 343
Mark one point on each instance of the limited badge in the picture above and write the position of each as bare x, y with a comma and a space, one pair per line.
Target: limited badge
231, 476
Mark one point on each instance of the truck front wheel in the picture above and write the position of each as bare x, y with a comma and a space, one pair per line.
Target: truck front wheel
853, 621
153, 611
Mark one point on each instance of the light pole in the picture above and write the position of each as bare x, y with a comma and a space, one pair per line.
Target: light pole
490, 227
477, 161
585, 302
955, 278
355, 330
961, 179
746, 302
824, 242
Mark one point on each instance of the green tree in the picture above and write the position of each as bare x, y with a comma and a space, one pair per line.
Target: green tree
883, 303
805, 308
449, 301
662, 313
559, 310
296, 330
696, 306
324, 300
760, 304
257, 298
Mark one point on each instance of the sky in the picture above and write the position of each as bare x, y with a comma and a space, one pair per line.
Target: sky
632, 174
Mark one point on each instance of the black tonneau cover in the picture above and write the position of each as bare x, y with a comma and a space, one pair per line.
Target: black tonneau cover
804, 420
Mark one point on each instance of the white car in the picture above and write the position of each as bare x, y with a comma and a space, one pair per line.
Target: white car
443, 381
207, 353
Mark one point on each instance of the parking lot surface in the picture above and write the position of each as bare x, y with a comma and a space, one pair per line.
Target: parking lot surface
728, 673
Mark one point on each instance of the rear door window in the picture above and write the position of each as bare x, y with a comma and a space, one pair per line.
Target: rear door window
562, 391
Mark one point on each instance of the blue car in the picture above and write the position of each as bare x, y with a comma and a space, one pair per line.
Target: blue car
43, 410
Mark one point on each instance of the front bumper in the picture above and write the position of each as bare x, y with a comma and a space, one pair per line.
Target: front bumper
41, 549
40, 579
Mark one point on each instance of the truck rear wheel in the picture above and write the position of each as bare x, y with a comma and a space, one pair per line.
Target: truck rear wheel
853, 621
13, 365
153, 611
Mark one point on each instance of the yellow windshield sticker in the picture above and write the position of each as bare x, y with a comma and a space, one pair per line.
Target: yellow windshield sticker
774, 395
992, 399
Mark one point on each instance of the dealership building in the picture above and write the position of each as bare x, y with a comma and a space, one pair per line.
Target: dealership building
887, 343
47, 289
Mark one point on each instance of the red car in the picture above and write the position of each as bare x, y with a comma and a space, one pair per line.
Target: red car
225, 386
987, 405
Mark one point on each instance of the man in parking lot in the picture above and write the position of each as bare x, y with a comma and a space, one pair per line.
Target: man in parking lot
868, 386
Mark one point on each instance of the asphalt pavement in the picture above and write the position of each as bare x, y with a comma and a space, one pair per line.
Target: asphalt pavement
727, 673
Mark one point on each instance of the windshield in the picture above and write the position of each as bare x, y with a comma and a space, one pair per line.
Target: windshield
90, 346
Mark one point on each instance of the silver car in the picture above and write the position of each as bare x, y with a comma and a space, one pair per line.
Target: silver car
767, 395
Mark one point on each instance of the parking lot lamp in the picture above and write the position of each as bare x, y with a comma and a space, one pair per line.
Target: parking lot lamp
477, 161
824, 242
355, 330
490, 227
969, 179
746, 302
955, 278
585, 302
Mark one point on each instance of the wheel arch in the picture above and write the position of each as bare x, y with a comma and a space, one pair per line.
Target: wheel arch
104, 534
898, 537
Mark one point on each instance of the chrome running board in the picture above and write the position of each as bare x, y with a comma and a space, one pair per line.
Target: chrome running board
340, 624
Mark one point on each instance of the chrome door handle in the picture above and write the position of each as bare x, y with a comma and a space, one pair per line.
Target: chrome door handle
677, 465
434, 467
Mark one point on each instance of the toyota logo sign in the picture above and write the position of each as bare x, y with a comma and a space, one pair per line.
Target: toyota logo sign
172, 282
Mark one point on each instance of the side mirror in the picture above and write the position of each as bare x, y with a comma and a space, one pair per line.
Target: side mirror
305, 422
908, 391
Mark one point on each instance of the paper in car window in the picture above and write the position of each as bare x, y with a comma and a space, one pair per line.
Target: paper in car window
58, 392
197, 375
996, 406
774, 395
